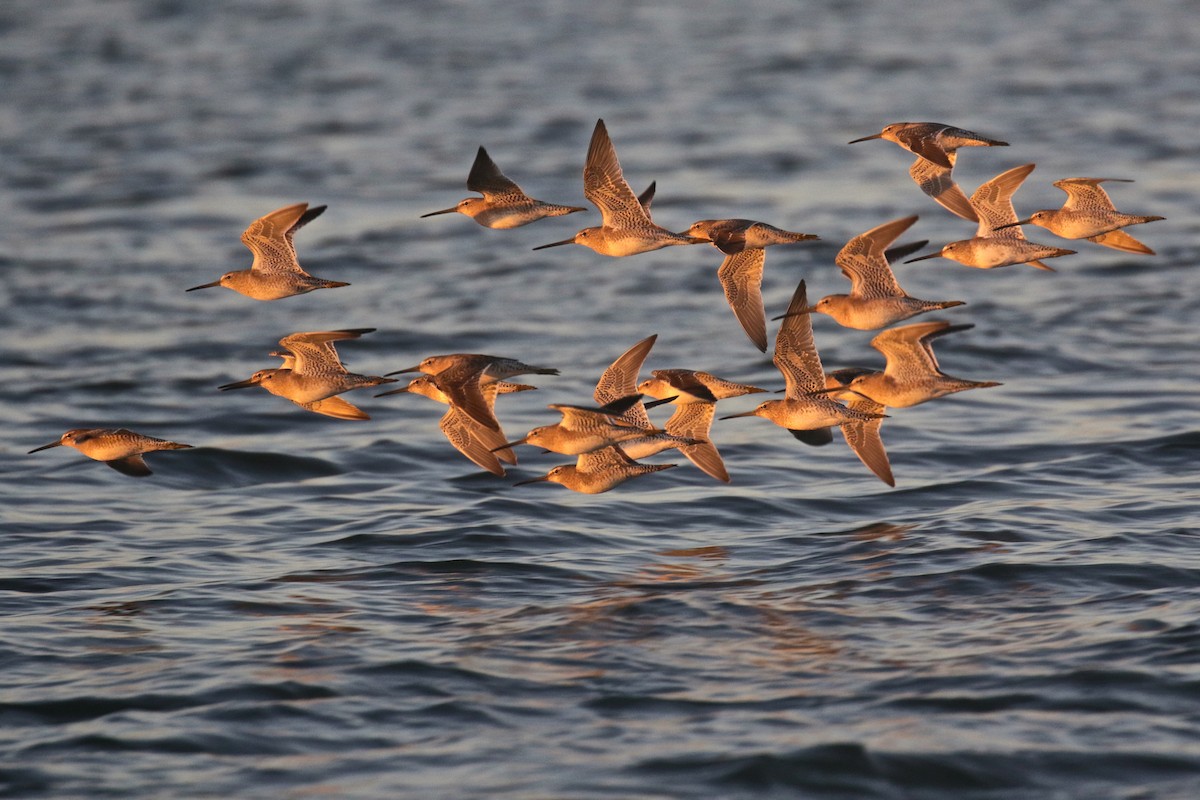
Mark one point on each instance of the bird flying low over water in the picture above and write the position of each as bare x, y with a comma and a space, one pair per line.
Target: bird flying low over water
1088, 213
912, 375
119, 448
461, 377
875, 299
998, 241
584, 429
275, 272
744, 241
503, 205
935, 145
481, 444
316, 374
597, 471
626, 228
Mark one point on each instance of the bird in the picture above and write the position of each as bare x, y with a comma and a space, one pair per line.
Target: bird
935, 145
119, 448
479, 443
626, 228
805, 406
732, 236
876, 299
912, 375
998, 242
598, 471
694, 395
461, 376
503, 205
275, 272
619, 380
743, 242
1088, 213
584, 429
316, 374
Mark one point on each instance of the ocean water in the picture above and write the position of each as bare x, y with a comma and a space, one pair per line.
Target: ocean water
304, 606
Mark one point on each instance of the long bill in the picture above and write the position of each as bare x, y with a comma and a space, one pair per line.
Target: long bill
662, 401
508, 445
866, 138
924, 257
1013, 224
401, 390
556, 244
805, 310
402, 371
246, 384
443, 211
541, 479
743, 414
204, 286
44, 447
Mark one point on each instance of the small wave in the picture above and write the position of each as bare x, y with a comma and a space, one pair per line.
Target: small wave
214, 468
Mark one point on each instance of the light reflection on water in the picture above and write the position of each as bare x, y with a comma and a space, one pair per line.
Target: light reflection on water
305, 606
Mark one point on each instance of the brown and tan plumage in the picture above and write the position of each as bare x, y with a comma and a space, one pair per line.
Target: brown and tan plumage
875, 299
504, 204
275, 272
999, 241
119, 448
626, 228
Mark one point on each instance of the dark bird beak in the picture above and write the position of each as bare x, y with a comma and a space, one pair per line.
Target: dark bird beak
544, 478
924, 257
556, 244
246, 384
805, 310
402, 371
866, 138
43, 447
203, 286
443, 211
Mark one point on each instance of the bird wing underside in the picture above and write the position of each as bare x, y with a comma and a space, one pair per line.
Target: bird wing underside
992, 201
795, 350
1085, 194
604, 184
741, 279
935, 181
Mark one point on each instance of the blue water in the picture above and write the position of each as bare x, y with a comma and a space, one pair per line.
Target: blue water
303, 606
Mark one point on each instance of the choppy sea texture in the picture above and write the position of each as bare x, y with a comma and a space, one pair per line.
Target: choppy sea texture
303, 606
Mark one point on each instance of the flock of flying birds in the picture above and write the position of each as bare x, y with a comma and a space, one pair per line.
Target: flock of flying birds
610, 436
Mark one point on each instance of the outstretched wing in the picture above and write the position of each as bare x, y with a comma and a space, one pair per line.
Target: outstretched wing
1085, 194
741, 278
935, 181
620, 380
313, 351
604, 184
487, 179
993, 202
863, 261
795, 350
270, 238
